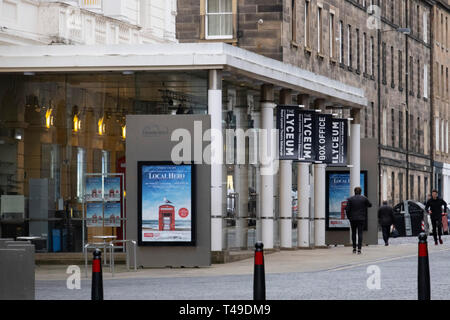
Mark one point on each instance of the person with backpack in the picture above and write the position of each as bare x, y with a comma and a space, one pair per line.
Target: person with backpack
357, 214
434, 208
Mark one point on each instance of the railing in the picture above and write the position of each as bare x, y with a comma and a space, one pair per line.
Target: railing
127, 252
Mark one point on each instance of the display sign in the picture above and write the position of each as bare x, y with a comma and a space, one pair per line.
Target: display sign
339, 134
308, 136
112, 188
112, 214
322, 138
93, 189
165, 204
94, 214
338, 191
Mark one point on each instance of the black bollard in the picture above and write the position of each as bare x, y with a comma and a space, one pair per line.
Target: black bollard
423, 276
97, 279
259, 281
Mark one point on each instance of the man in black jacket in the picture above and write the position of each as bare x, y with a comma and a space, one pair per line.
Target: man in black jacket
386, 219
434, 208
357, 212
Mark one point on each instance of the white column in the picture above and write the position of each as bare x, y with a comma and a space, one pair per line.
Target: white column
303, 204
267, 157
215, 111
286, 203
355, 149
256, 116
319, 205
241, 170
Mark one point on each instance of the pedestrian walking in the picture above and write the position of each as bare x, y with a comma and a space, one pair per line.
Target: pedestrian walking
357, 214
386, 220
434, 208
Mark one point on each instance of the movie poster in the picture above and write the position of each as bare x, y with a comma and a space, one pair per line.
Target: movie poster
94, 214
112, 214
112, 189
166, 203
93, 189
338, 192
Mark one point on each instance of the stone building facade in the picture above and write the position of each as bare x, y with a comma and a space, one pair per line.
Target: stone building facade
441, 96
358, 43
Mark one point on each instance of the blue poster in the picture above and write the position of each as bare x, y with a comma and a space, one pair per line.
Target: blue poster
94, 214
112, 189
166, 203
112, 214
338, 192
93, 189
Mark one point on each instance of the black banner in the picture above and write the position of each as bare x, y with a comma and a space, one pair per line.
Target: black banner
307, 128
339, 134
287, 124
307, 136
323, 138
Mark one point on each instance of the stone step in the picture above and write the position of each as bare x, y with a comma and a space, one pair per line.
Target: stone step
67, 258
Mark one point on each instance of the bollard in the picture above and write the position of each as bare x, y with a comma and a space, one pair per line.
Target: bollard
423, 269
97, 279
259, 281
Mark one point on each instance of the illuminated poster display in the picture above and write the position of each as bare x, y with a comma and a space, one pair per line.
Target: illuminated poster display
165, 204
338, 191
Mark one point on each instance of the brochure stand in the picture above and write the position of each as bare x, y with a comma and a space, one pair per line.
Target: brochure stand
103, 202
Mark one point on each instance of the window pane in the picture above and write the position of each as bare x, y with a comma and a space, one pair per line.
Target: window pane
227, 24
214, 25
225, 5
213, 6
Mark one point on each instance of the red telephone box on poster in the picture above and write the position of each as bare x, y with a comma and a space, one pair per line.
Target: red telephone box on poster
166, 217
343, 206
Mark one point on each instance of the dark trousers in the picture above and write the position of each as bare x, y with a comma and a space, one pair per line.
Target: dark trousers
386, 232
357, 226
437, 224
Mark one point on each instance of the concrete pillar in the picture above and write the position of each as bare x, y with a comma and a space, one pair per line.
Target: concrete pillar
303, 204
215, 111
267, 159
256, 116
355, 150
319, 191
319, 205
241, 169
285, 180
303, 192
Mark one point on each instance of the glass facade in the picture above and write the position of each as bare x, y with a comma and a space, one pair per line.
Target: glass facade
57, 127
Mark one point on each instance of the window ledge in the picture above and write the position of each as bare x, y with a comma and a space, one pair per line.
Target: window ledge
425, 99
392, 85
320, 55
232, 41
294, 44
400, 89
372, 77
333, 61
308, 50
350, 69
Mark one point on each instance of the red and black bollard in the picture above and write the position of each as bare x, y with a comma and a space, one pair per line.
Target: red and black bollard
424, 269
97, 279
259, 281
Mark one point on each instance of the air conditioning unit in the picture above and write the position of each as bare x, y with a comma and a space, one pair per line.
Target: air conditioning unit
12, 209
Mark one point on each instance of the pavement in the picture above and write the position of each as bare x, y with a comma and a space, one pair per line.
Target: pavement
324, 274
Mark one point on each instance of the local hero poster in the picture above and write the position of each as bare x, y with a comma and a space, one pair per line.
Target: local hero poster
166, 203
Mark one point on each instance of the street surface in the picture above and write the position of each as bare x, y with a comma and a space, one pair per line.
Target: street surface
326, 274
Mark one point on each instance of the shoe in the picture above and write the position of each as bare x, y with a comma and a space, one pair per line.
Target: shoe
386, 244
354, 250
440, 241
359, 251
435, 243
